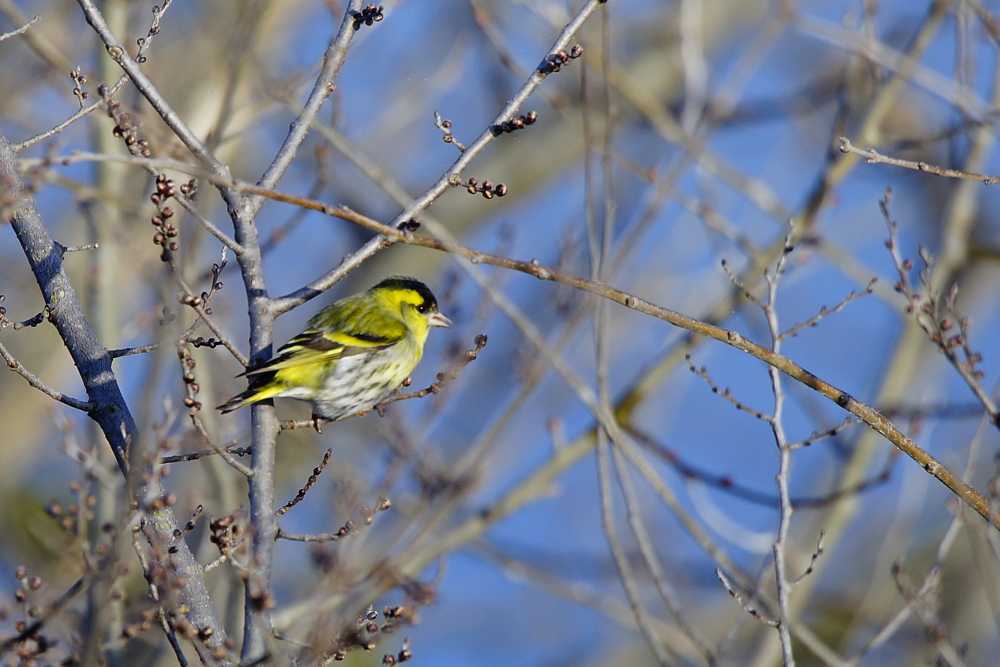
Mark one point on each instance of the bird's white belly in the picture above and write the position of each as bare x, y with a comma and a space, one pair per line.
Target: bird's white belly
359, 382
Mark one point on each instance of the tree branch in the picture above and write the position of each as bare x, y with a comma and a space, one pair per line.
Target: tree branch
107, 405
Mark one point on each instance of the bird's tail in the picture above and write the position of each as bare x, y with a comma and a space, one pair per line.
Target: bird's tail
236, 402
252, 394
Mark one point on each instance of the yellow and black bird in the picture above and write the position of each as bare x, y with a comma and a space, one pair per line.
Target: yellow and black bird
353, 354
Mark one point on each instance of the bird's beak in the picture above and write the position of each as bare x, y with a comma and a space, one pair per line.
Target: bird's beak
438, 320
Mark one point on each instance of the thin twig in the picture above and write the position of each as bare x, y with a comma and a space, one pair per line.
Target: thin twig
23, 29
84, 111
309, 484
621, 560
874, 157
78, 248
726, 483
634, 510
922, 601
702, 372
816, 436
231, 448
781, 545
443, 378
33, 380
128, 351
318, 537
930, 311
812, 560
753, 611
824, 311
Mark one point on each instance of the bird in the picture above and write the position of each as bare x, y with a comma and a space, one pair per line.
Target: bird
353, 354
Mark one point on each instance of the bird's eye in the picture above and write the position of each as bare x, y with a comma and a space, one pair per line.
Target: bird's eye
422, 308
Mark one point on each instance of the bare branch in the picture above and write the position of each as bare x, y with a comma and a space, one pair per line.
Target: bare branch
34, 381
107, 405
300, 496
874, 157
750, 609
20, 31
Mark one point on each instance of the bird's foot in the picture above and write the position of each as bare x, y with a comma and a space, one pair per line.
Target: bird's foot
318, 423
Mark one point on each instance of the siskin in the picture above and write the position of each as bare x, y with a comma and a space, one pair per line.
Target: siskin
353, 354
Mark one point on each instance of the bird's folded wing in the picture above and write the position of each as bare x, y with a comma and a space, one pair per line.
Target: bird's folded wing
312, 347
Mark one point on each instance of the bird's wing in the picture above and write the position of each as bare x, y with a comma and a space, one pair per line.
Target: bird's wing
313, 346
